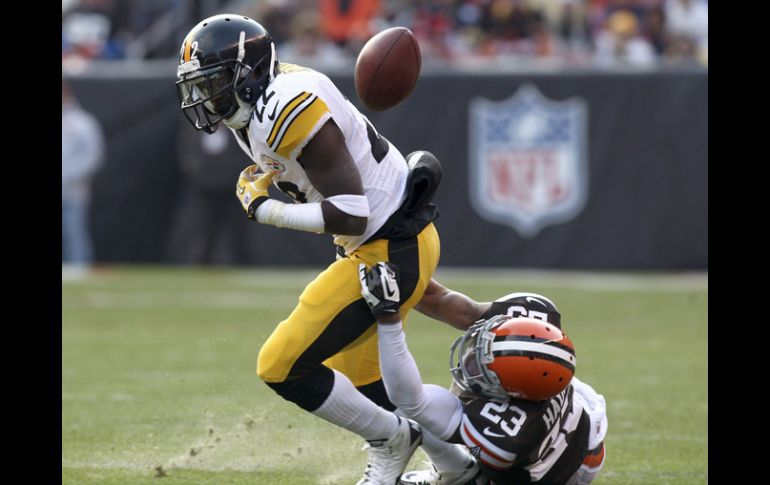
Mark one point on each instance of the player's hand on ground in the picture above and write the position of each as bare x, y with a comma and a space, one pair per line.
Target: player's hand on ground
252, 187
379, 287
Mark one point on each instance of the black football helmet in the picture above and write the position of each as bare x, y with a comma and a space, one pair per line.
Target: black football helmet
525, 304
225, 64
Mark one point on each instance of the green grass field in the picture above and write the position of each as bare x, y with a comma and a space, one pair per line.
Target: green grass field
159, 384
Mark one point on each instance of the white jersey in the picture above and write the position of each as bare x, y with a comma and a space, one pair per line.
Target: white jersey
295, 105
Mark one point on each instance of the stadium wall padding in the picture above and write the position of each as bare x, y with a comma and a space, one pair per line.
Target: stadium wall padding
647, 159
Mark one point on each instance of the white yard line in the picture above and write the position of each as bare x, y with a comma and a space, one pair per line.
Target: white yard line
587, 280
294, 278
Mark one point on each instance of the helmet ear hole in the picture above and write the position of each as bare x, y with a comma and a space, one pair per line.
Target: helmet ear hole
253, 82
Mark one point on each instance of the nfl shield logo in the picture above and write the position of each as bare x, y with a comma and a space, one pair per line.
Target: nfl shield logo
528, 165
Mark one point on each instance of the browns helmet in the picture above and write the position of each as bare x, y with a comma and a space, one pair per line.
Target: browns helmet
525, 304
524, 358
225, 64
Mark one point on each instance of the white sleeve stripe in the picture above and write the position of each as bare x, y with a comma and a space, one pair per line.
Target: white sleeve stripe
489, 460
485, 457
533, 347
476, 436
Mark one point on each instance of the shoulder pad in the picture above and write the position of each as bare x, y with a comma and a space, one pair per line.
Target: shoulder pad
288, 114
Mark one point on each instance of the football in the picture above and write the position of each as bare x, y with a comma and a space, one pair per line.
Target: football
387, 68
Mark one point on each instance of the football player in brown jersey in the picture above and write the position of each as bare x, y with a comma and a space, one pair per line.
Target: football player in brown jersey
521, 413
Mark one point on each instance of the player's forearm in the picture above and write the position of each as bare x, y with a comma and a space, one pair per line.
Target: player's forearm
302, 217
459, 310
452, 307
342, 214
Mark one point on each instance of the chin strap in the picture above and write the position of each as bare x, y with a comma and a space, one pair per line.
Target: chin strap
242, 116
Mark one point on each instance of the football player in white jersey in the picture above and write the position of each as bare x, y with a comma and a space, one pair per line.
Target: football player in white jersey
520, 411
306, 139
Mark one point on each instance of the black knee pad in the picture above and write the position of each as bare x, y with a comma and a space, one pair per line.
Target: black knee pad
377, 394
308, 391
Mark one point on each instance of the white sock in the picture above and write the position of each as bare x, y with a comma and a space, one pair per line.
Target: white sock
348, 408
447, 457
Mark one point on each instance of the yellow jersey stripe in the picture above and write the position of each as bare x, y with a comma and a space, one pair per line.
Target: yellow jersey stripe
301, 126
285, 67
285, 112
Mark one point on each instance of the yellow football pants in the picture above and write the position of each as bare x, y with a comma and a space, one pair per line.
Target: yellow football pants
332, 325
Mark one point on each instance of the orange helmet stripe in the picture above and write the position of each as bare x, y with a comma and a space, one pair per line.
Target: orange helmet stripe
187, 46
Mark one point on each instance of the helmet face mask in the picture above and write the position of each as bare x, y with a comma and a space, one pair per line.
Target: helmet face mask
504, 357
207, 96
225, 64
469, 369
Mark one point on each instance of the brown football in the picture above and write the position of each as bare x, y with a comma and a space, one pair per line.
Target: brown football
387, 68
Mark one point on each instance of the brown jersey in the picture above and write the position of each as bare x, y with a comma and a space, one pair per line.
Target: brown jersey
522, 442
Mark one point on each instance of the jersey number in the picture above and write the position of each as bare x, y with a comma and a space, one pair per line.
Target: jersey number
520, 311
292, 191
510, 427
379, 144
264, 100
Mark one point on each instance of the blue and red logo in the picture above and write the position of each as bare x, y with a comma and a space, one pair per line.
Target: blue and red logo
528, 160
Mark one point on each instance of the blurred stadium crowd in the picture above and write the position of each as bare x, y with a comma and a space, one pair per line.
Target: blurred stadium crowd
645, 33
